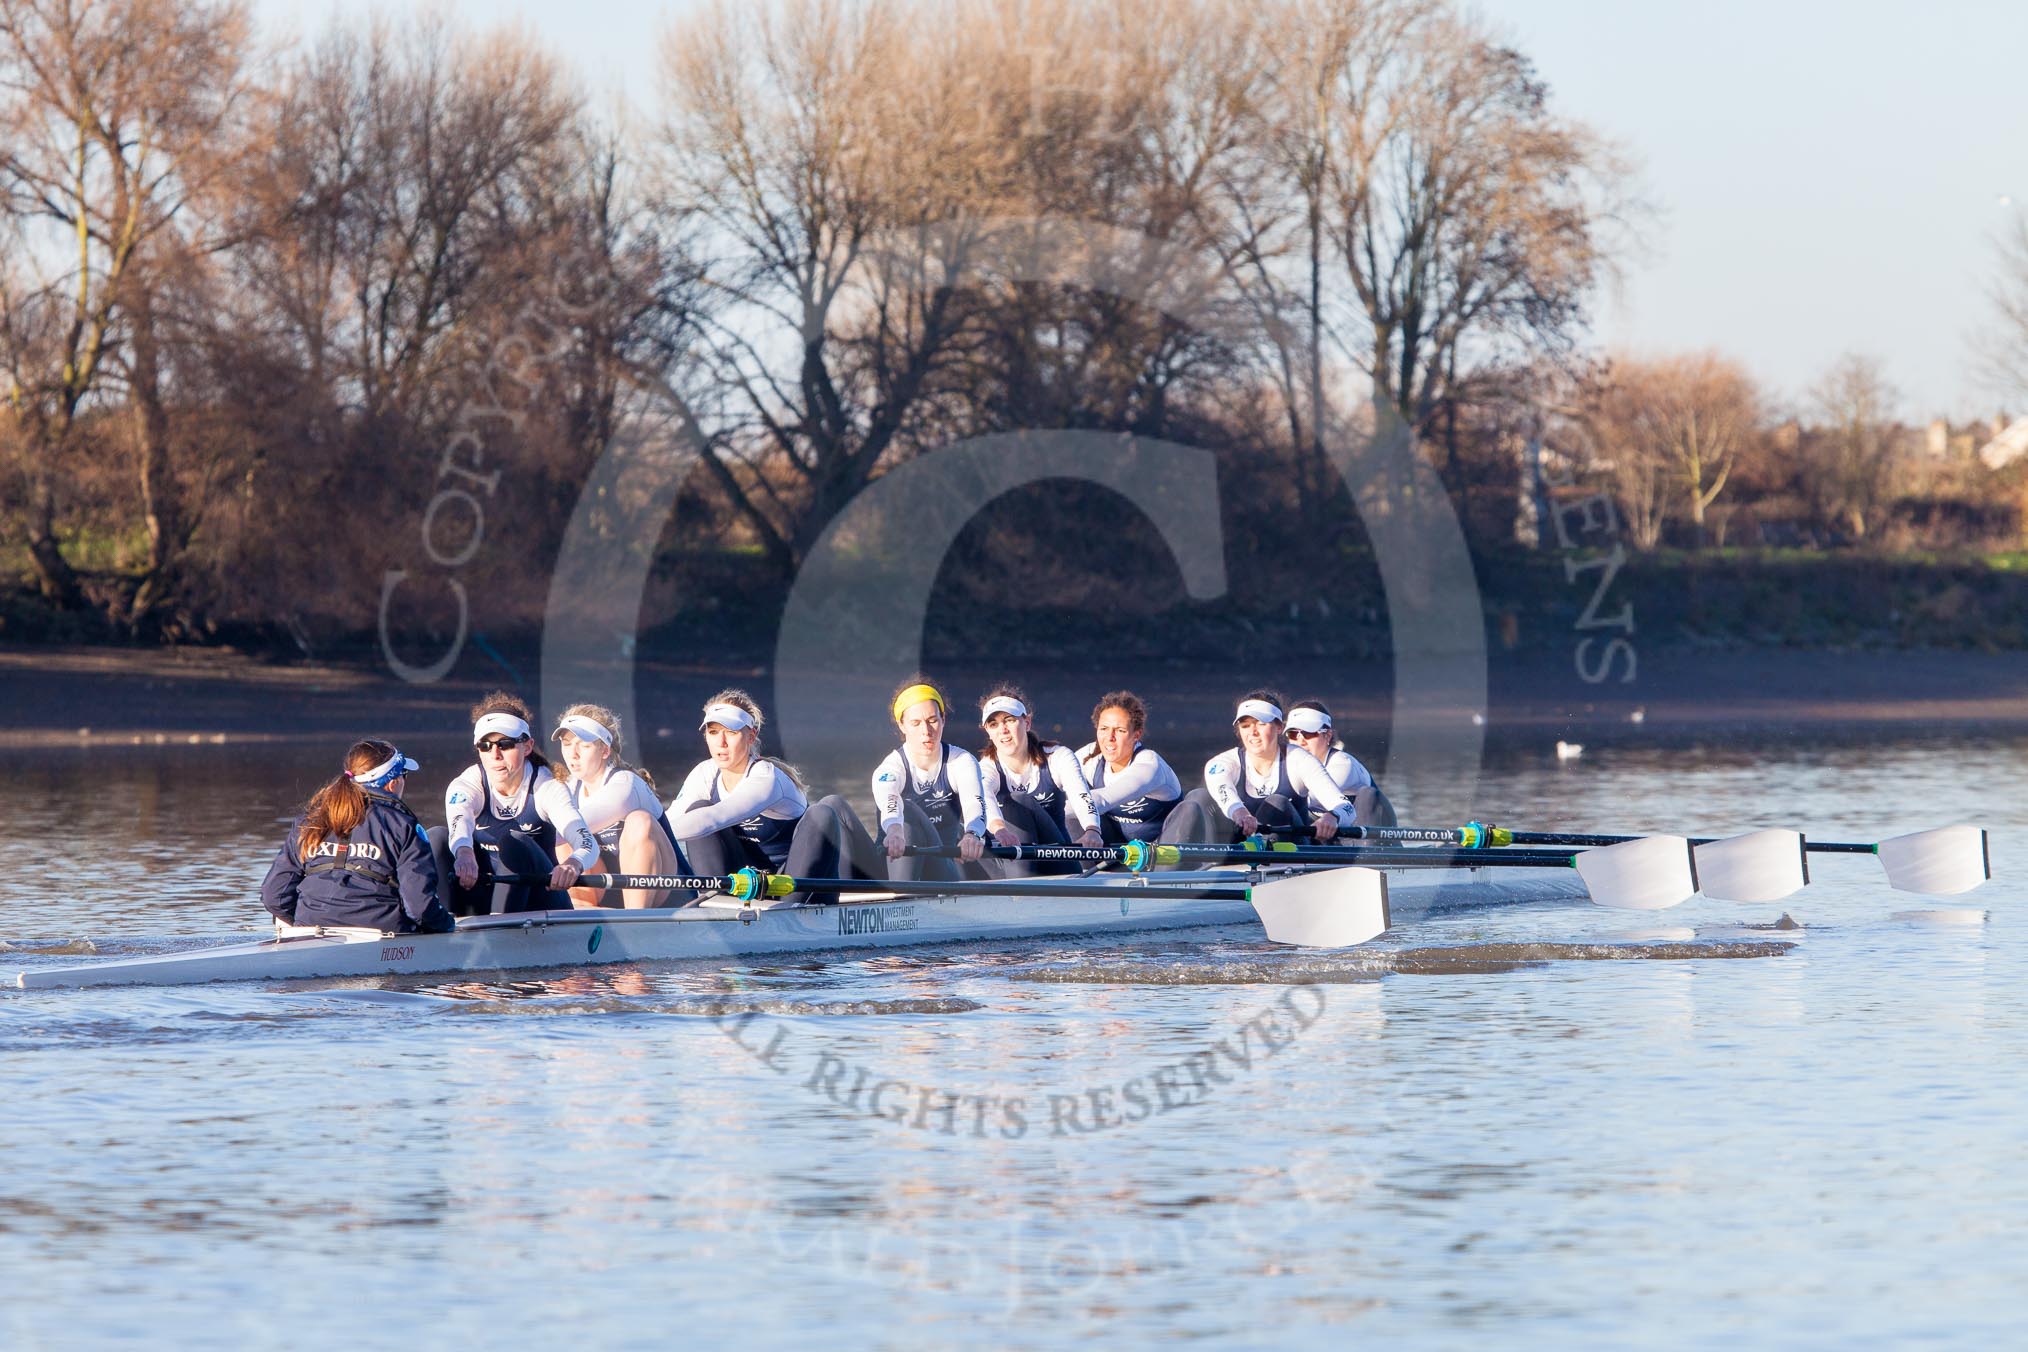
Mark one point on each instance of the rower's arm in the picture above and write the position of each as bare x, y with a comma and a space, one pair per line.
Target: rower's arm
459, 813
552, 800
971, 787
1221, 780
1069, 777
1314, 785
278, 889
1147, 776
757, 791
887, 786
415, 870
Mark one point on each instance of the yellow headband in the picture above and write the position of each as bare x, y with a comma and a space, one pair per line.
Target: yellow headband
916, 694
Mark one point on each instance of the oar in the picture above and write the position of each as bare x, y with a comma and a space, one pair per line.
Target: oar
1330, 908
1643, 874
1763, 865
1139, 856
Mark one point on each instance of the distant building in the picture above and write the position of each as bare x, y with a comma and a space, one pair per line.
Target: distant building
2008, 444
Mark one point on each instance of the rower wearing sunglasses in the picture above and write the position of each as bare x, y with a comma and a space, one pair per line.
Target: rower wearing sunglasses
1309, 725
509, 815
1263, 784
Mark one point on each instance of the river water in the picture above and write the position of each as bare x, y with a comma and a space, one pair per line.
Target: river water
1550, 1127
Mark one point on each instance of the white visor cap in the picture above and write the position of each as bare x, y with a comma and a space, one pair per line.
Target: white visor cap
1309, 720
728, 716
1258, 709
507, 725
585, 729
1003, 704
389, 770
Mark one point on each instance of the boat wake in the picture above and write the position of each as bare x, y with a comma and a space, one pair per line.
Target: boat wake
1466, 959
52, 948
706, 1008
1462, 959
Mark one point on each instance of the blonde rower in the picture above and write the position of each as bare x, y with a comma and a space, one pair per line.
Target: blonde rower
617, 802
739, 809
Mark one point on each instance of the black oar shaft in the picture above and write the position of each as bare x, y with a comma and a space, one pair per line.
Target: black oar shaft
1124, 890
1377, 855
1426, 857
1567, 838
629, 881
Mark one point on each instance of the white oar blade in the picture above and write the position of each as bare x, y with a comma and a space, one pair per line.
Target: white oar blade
1330, 908
1943, 862
1758, 866
1649, 874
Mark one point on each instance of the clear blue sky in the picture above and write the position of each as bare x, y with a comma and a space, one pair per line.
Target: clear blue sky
1827, 184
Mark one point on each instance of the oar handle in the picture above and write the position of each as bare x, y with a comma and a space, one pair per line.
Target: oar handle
1471, 835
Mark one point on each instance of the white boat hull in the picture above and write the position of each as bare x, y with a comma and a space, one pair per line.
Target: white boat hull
590, 937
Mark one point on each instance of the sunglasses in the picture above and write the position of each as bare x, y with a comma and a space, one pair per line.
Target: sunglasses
497, 744
1295, 733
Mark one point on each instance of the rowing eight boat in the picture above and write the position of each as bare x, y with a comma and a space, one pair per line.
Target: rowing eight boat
718, 928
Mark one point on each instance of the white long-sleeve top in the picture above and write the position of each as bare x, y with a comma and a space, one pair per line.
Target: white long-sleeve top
552, 803
765, 790
1063, 768
613, 799
897, 773
1346, 771
1315, 791
1147, 776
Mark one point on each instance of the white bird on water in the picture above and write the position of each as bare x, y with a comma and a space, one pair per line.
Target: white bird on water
1566, 751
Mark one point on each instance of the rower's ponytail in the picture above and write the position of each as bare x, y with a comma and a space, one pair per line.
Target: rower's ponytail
339, 807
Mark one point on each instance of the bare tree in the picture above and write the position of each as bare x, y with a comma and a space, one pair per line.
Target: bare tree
1850, 460
827, 154
1470, 218
409, 168
2000, 351
1669, 433
104, 111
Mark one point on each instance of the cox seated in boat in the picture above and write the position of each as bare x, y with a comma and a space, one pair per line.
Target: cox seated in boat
357, 856
930, 794
1310, 728
739, 809
618, 804
1038, 787
1263, 784
510, 816
1133, 790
